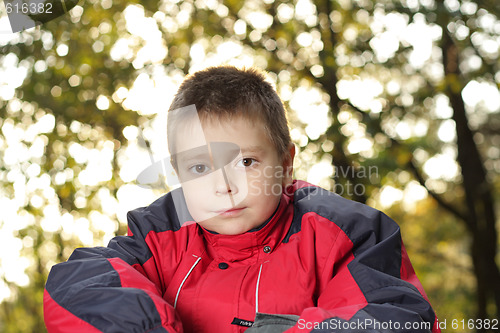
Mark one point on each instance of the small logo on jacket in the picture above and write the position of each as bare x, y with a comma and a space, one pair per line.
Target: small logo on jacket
242, 322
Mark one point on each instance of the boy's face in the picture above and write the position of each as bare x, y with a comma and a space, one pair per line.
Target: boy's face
231, 174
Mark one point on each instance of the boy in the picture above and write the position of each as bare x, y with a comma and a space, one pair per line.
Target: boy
266, 252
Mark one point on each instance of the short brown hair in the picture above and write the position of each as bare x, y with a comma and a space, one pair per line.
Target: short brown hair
224, 92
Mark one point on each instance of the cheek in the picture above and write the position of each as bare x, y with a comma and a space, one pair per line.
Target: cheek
192, 189
194, 192
265, 189
268, 176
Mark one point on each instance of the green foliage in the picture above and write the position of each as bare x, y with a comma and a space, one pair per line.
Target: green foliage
314, 47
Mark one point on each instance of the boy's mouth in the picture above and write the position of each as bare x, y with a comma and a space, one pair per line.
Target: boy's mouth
231, 212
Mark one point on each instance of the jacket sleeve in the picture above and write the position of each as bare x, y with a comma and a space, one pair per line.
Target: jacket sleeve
112, 289
371, 286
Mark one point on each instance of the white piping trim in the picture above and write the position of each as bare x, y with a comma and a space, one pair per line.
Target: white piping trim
185, 278
257, 291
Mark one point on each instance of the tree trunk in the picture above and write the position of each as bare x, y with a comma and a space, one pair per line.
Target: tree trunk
480, 213
340, 159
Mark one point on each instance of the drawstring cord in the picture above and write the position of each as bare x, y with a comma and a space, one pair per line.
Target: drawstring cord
185, 278
257, 291
196, 263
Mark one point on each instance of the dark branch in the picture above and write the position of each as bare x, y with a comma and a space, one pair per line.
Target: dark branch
446, 205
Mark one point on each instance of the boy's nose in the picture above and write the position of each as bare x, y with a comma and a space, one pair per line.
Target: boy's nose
224, 185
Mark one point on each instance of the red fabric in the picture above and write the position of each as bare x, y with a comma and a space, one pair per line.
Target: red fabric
408, 274
131, 278
210, 297
204, 280
58, 319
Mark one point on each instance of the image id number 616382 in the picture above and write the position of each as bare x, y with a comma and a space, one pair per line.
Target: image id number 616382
28, 8
471, 324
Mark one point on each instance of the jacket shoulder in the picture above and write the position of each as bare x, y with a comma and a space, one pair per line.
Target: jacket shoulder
358, 221
167, 213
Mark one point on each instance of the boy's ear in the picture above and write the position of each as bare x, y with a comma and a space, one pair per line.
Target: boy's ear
288, 166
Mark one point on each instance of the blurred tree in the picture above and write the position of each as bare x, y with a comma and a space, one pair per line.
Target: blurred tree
47, 123
478, 212
395, 85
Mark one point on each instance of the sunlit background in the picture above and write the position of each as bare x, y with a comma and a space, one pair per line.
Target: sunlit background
68, 180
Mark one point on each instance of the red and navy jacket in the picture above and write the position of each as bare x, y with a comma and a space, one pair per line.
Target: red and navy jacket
339, 265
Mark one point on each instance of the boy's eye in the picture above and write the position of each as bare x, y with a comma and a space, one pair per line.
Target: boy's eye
246, 162
199, 169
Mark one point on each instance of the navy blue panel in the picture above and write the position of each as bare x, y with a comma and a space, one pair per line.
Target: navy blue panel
127, 252
63, 276
168, 212
91, 290
130, 249
411, 306
377, 256
365, 226
300, 207
158, 330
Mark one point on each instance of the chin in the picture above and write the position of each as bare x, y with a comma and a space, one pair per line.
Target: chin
232, 231
227, 229
226, 226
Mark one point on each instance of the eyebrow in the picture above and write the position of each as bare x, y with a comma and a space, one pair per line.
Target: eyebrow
187, 157
252, 149
193, 154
